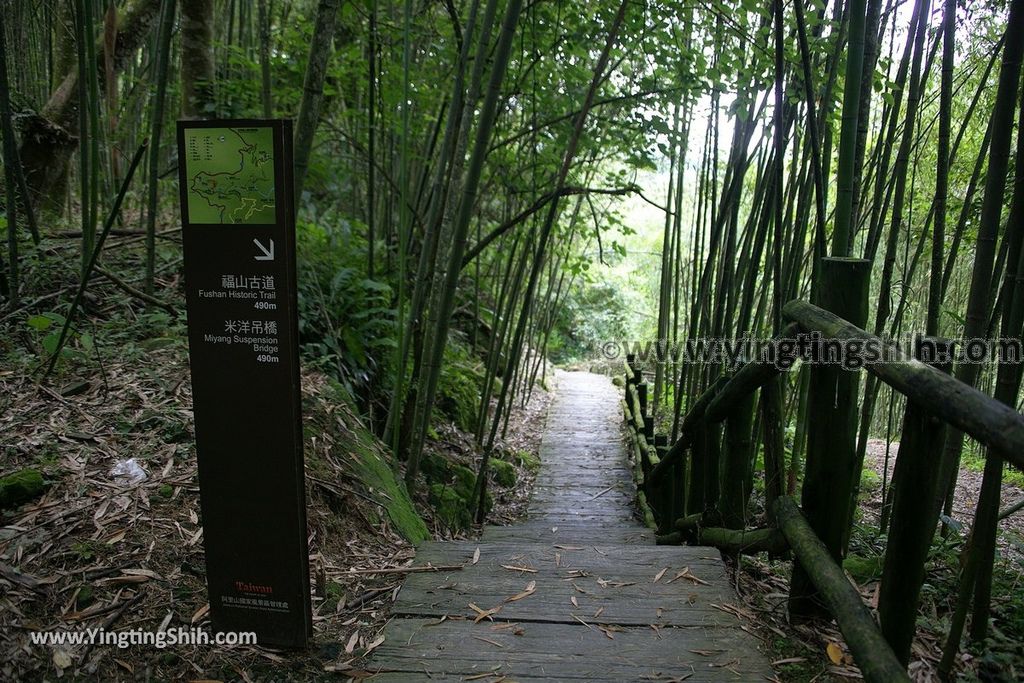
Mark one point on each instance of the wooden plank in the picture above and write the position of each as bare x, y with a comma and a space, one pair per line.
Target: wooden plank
619, 580
570, 533
458, 649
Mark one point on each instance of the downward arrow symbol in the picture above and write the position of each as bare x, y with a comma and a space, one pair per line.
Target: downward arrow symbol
268, 254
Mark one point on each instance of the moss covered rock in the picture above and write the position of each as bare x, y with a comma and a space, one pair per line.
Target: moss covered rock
458, 388
436, 468
451, 498
21, 487
451, 508
464, 481
504, 472
378, 476
368, 459
527, 459
864, 569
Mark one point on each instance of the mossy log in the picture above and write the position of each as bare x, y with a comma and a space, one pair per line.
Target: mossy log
672, 538
876, 660
730, 541
635, 413
689, 523
743, 542
984, 418
645, 510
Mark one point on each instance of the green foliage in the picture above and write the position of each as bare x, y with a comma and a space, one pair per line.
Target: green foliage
589, 316
346, 321
974, 461
47, 327
86, 550
870, 482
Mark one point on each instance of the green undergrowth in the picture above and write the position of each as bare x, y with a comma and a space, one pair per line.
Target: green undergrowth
974, 461
527, 460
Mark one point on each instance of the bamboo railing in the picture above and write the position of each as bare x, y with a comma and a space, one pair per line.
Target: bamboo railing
678, 498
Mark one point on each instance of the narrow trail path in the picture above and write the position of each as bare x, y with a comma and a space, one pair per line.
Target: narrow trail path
571, 593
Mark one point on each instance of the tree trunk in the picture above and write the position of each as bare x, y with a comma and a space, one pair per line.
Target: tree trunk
313, 89
51, 137
197, 76
162, 57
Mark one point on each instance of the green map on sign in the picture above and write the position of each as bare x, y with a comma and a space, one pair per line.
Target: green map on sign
230, 175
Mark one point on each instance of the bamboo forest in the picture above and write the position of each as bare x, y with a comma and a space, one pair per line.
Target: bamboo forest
511, 340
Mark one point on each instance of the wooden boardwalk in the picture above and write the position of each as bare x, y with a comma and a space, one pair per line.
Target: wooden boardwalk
577, 592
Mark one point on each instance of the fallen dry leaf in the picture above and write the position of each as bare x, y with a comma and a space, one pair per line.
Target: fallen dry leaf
530, 590
483, 613
489, 641
200, 613
685, 574
374, 645
582, 622
117, 538
61, 659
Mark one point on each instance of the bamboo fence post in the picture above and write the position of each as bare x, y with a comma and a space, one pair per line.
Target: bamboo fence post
912, 524
832, 428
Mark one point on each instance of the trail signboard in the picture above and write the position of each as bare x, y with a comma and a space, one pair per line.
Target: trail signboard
238, 228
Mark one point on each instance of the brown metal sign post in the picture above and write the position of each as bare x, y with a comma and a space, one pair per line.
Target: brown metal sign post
238, 222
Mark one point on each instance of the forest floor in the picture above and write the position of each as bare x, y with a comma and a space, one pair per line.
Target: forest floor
98, 550
1010, 540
